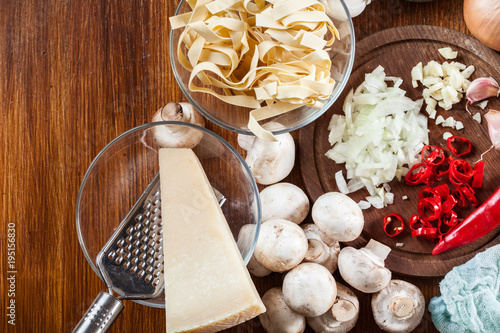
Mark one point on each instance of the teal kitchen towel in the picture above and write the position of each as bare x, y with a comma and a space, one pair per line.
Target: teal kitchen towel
470, 296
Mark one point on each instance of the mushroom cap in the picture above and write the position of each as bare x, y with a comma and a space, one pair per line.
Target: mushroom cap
279, 318
322, 252
399, 307
245, 237
284, 201
245, 141
338, 216
361, 271
326, 323
271, 161
281, 246
309, 289
173, 136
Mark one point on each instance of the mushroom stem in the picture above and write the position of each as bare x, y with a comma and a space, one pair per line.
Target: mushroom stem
343, 310
401, 306
315, 250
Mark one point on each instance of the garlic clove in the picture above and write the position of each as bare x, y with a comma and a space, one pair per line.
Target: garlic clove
482, 88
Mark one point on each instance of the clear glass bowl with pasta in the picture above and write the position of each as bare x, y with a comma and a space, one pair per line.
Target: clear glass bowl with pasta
215, 64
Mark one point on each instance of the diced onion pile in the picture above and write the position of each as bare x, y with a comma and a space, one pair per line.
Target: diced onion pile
378, 138
272, 52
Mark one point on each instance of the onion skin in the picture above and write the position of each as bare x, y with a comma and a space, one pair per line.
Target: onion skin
483, 20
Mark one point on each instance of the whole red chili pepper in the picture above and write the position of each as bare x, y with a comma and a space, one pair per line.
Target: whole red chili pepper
453, 141
476, 225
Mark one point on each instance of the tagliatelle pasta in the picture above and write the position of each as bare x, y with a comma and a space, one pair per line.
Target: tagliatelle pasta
270, 56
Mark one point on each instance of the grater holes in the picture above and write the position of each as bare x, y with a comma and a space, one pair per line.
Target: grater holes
157, 273
118, 260
120, 251
159, 257
151, 252
159, 240
133, 269
150, 261
158, 265
157, 194
159, 249
147, 205
141, 274
137, 235
142, 257
134, 261
136, 243
126, 264
144, 239
135, 252
151, 243
127, 256
146, 231
129, 238
120, 242
149, 269
141, 265
128, 247
111, 255
156, 210
143, 248
147, 214
138, 218
156, 282
148, 278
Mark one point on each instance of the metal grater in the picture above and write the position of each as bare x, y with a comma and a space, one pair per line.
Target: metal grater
131, 262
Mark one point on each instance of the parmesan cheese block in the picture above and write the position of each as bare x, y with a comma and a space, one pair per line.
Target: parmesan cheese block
207, 286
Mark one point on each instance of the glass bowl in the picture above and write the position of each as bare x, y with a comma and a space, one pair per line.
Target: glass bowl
123, 169
235, 118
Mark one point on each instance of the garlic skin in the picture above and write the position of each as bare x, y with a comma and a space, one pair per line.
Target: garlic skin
482, 88
335, 9
493, 119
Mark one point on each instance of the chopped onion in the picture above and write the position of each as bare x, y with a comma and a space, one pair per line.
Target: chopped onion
378, 138
364, 204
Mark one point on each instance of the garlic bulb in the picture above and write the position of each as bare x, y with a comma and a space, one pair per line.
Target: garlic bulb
334, 7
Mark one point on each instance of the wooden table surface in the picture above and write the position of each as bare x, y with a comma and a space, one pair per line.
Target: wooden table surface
73, 76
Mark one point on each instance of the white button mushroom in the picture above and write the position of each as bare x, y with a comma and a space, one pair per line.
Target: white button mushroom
279, 318
245, 237
269, 161
281, 246
342, 316
284, 201
177, 136
364, 269
338, 216
309, 289
322, 252
399, 307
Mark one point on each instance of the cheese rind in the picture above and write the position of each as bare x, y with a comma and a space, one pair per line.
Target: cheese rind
207, 286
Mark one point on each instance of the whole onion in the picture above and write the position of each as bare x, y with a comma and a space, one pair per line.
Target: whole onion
483, 20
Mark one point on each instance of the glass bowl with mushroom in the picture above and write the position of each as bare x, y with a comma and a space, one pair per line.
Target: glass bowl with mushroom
121, 172
259, 62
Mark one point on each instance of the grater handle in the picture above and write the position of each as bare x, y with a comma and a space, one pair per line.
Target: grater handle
101, 314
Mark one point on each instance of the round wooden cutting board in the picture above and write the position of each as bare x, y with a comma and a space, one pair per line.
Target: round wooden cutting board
398, 50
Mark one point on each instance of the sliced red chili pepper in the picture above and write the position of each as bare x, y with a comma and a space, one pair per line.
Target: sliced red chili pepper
416, 223
429, 209
428, 192
459, 195
443, 169
425, 232
419, 173
432, 155
458, 145
477, 179
450, 218
389, 222
449, 202
469, 194
460, 172
442, 190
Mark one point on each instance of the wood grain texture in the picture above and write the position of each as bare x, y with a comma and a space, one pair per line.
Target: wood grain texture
74, 75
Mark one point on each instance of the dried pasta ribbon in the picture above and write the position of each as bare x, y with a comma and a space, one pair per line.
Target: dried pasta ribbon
270, 56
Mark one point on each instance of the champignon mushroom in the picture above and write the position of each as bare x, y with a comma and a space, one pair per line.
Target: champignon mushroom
319, 251
364, 269
245, 235
269, 161
284, 201
278, 317
309, 289
177, 136
338, 216
281, 246
342, 316
399, 307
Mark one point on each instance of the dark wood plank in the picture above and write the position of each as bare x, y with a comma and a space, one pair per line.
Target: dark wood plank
73, 75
